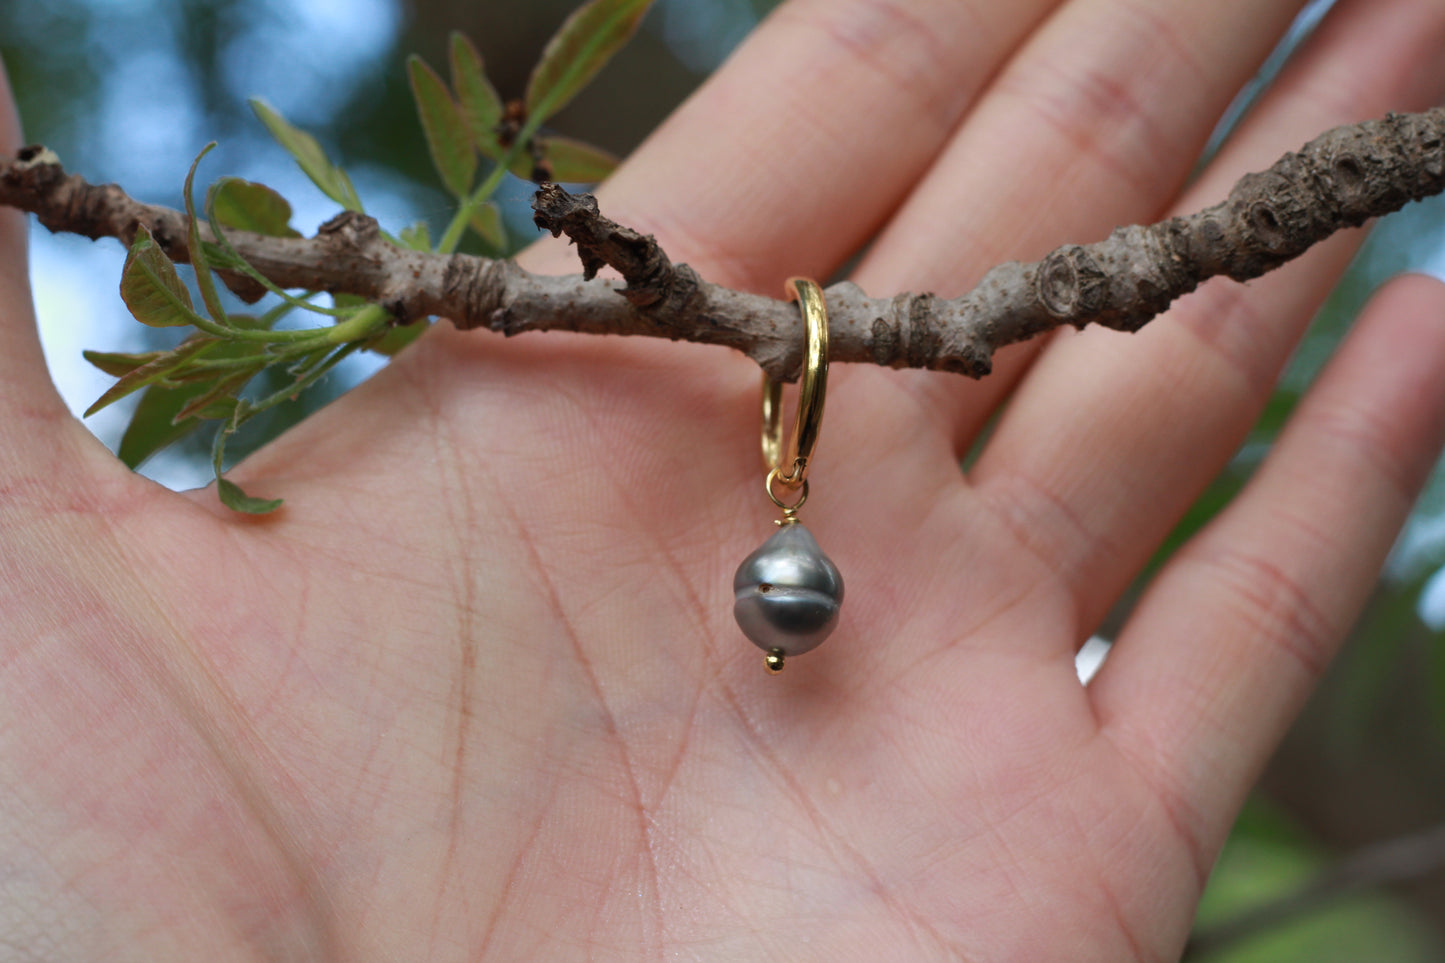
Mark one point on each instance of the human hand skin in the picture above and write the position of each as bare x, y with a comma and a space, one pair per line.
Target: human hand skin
475, 692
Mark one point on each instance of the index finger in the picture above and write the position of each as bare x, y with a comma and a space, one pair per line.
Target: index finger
33, 417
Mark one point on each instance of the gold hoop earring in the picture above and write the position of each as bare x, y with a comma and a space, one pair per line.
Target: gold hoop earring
787, 594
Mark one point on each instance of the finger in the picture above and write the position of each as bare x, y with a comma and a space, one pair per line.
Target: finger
1235, 631
1111, 437
790, 156
33, 418
22, 365
782, 163
785, 161
1096, 122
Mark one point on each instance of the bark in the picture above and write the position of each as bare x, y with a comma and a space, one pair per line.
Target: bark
1341, 179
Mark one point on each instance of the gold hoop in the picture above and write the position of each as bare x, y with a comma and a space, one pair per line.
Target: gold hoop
811, 392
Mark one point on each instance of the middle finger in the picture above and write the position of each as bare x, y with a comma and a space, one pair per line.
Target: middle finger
1112, 436
1097, 121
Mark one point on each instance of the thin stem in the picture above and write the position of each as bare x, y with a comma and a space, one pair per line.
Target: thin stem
363, 324
305, 381
458, 226
235, 262
269, 319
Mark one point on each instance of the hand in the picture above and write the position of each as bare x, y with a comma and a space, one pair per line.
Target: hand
476, 691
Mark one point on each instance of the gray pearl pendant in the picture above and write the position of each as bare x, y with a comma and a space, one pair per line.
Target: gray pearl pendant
787, 594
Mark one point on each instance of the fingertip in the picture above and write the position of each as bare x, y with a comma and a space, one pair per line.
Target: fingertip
12, 222
25, 386
11, 137
1401, 328
1412, 291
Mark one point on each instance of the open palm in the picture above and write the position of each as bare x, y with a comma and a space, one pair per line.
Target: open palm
476, 692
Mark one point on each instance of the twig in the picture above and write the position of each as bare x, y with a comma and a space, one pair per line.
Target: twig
1393, 861
1341, 179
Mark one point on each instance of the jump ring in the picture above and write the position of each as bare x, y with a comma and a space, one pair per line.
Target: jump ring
788, 510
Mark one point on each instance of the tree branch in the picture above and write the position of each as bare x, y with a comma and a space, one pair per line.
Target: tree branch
1341, 179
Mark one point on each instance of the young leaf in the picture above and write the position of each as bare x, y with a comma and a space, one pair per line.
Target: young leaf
486, 220
219, 410
247, 206
581, 46
199, 264
236, 499
417, 236
161, 418
231, 494
308, 153
347, 302
151, 288
153, 425
224, 257
397, 338
151, 371
447, 137
573, 161
220, 396
348, 190
118, 364
252, 355
477, 100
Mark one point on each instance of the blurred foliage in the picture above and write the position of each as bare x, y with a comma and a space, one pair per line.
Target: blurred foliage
1267, 858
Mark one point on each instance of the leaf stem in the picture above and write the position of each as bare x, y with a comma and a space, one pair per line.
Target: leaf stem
305, 381
367, 321
458, 226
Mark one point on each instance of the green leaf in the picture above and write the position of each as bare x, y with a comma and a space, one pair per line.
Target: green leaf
224, 256
153, 425
118, 364
417, 236
397, 338
247, 206
151, 372
573, 161
216, 401
344, 301
231, 494
151, 288
580, 47
308, 153
348, 190
234, 498
218, 410
199, 264
166, 412
477, 100
486, 220
447, 137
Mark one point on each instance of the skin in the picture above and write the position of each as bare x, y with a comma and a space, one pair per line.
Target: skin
476, 693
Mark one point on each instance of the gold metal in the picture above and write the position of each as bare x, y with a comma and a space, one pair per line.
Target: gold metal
790, 462
790, 512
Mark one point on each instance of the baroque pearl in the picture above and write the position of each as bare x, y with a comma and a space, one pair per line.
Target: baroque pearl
787, 594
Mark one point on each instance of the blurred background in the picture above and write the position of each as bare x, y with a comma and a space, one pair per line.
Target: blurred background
1340, 856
